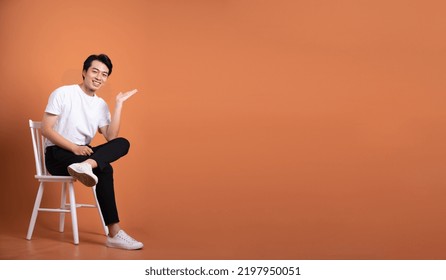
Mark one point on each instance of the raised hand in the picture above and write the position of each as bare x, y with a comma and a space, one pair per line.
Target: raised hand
123, 96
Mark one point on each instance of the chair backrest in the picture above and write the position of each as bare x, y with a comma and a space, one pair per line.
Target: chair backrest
38, 147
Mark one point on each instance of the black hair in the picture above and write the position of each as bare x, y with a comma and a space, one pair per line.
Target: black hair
100, 57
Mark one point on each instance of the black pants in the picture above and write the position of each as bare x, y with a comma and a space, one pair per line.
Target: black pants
57, 160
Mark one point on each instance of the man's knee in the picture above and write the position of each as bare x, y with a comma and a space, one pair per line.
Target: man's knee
123, 143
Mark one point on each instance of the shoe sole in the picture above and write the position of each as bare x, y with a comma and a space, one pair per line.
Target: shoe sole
111, 245
84, 178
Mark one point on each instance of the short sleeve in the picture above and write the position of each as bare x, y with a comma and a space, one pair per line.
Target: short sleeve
55, 102
105, 116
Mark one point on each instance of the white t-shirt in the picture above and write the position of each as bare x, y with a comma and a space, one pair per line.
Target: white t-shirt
80, 115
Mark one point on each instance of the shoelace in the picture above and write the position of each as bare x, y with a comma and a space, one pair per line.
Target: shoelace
127, 238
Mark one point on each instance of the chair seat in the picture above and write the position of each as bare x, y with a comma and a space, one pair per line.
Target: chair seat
51, 178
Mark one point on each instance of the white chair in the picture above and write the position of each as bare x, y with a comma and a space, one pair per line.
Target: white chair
67, 184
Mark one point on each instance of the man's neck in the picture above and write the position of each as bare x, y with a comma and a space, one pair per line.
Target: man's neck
86, 91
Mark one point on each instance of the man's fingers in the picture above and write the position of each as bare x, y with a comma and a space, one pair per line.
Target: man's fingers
123, 96
132, 91
86, 151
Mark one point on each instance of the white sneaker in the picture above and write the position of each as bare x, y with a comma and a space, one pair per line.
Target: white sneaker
123, 241
83, 173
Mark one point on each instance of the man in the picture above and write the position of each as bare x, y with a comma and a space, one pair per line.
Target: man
72, 118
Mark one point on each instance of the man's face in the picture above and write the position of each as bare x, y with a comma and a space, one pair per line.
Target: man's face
95, 76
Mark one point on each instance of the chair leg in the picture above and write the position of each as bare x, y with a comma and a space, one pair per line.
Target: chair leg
73, 213
63, 204
35, 211
99, 210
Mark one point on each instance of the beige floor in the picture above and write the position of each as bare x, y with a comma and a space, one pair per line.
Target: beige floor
48, 244
168, 240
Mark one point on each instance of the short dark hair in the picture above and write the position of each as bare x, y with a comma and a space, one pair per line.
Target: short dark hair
100, 57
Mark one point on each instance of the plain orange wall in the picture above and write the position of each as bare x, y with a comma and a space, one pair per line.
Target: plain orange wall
262, 129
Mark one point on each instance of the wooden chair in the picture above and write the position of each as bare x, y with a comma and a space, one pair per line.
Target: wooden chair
67, 184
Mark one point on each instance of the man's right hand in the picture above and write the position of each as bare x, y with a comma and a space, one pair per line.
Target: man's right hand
82, 150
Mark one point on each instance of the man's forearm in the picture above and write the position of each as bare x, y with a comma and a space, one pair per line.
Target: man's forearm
113, 129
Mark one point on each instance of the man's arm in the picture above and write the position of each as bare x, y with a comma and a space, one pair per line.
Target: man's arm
48, 122
111, 131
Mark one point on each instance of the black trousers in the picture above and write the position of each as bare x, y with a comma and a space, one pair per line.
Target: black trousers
58, 159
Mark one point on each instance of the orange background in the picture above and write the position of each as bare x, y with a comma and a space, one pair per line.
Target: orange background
261, 130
